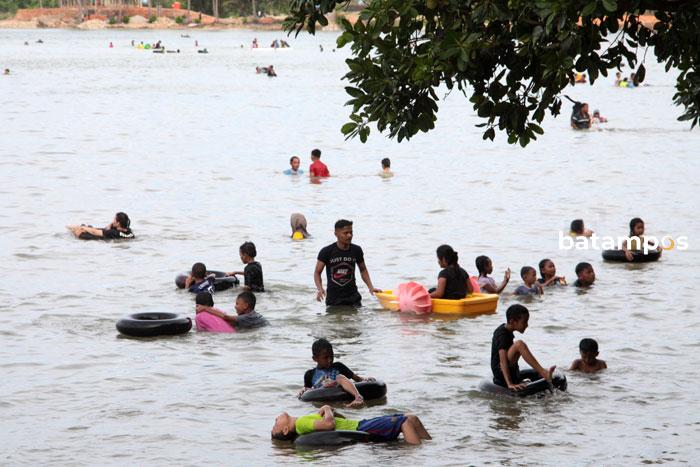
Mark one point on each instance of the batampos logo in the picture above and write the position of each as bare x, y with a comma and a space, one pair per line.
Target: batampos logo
602, 242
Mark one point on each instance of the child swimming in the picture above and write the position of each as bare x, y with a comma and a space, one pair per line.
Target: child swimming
635, 242
588, 363
252, 273
530, 285
386, 169
578, 229
586, 275
549, 274
485, 267
453, 281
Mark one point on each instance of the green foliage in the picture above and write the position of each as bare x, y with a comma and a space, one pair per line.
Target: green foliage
152, 19
511, 58
197, 21
179, 19
112, 20
125, 19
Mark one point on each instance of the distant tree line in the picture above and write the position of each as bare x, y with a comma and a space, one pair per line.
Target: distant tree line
226, 8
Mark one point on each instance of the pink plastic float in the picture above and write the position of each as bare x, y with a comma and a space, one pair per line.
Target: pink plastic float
413, 297
208, 322
475, 284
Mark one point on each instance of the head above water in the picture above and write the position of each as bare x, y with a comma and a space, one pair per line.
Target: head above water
525, 271
247, 251
636, 227
517, 316
315, 154
199, 270
584, 272
204, 298
245, 302
547, 268
386, 163
322, 353
123, 220
484, 265
447, 257
577, 226
294, 162
284, 428
588, 348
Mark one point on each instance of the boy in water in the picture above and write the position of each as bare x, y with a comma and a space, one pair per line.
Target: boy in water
198, 281
329, 373
505, 353
585, 274
385, 428
531, 286
318, 168
339, 259
588, 363
386, 169
294, 163
252, 273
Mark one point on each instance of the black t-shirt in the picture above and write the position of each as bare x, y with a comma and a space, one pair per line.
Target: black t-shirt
502, 339
340, 264
456, 286
314, 377
115, 234
253, 277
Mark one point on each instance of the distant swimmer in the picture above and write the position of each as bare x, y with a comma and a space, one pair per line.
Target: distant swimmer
271, 71
298, 223
111, 46
320, 47
255, 44
597, 118
580, 78
580, 119
39, 41
203, 51
6, 72
386, 169
119, 228
294, 169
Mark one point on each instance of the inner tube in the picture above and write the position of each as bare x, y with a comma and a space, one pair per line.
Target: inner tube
221, 280
367, 389
322, 439
537, 385
637, 256
154, 324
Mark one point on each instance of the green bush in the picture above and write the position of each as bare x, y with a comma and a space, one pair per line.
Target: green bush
179, 19
244, 20
152, 19
112, 20
125, 20
197, 20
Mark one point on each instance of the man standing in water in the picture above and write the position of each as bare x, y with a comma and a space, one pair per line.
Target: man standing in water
339, 259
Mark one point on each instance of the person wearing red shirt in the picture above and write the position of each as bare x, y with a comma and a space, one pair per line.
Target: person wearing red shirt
318, 168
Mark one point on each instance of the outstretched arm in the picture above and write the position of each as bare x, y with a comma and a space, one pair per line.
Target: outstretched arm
506, 278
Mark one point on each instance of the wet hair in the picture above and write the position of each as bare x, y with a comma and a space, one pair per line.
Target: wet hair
481, 263
249, 298
204, 298
542, 264
577, 226
449, 255
248, 248
516, 312
123, 220
342, 223
633, 223
316, 153
320, 345
580, 267
524, 270
386, 162
291, 159
199, 270
588, 345
290, 436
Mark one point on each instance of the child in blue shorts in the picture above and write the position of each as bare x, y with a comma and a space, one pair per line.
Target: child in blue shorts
384, 428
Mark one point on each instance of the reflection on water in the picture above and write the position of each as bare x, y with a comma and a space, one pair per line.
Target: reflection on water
192, 147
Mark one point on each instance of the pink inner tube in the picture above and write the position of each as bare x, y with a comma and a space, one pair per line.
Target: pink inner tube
208, 322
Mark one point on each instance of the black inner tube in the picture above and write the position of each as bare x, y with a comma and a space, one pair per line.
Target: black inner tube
368, 390
321, 439
637, 256
537, 385
154, 324
221, 280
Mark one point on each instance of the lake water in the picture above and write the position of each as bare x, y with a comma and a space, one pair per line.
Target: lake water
192, 147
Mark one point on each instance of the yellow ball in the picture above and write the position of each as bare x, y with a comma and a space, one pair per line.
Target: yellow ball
297, 236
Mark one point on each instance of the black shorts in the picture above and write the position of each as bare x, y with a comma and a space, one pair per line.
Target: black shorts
514, 376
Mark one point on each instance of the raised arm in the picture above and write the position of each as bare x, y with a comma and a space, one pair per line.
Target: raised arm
506, 278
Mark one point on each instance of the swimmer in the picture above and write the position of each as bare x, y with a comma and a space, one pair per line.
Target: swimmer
486, 283
294, 163
548, 273
328, 373
384, 428
111, 46
318, 168
530, 285
635, 240
6, 72
198, 280
453, 281
588, 363
505, 353
255, 44
580, 119
119, 228
386, 169
618, 79
204, 305
252, 273
298, 223
586, 275
271, 71
597, 118
578, 229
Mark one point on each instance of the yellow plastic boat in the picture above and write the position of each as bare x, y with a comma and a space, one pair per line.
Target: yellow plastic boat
475, 304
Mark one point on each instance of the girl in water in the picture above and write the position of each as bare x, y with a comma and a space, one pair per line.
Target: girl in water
487, 284
453, 281
635, 242
119, 228
549, 274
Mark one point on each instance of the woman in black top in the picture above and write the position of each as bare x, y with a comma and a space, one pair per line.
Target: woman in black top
119, 228
453, 281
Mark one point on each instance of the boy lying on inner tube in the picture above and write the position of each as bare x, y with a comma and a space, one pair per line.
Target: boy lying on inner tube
384, 428
329, 374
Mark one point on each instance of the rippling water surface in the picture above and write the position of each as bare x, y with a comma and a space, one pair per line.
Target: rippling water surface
192, 146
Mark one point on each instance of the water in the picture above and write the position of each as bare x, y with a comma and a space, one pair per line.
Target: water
192, 148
